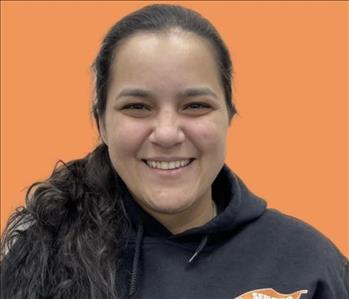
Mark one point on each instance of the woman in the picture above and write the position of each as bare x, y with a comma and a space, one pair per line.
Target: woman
153, 212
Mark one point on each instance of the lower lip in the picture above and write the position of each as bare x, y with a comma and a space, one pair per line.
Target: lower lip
169, 172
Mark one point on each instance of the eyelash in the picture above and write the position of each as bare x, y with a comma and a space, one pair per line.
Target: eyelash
201, 105
140, 106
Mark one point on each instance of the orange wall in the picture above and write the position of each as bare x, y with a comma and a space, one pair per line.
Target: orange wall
291, 76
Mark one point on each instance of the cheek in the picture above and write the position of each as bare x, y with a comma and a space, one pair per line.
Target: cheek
125, 137
208, 135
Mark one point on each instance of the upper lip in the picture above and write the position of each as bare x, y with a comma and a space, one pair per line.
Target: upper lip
168, 159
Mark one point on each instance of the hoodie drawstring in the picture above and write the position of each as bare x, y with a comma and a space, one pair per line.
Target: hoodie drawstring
199, 249
136, 257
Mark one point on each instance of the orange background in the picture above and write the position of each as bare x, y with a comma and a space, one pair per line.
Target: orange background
289, 143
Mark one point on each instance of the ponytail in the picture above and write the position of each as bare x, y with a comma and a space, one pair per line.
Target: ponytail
69, 239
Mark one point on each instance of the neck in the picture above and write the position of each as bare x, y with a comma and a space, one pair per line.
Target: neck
196, 215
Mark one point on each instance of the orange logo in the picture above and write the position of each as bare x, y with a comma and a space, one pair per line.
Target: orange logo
270, 294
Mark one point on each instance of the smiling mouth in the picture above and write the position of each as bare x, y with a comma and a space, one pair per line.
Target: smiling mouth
168, 165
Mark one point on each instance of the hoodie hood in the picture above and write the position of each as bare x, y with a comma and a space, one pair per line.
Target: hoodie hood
236, 207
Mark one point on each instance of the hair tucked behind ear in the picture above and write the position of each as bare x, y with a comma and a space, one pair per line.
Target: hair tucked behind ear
68, 240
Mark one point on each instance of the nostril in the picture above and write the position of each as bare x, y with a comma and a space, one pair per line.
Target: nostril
167, 136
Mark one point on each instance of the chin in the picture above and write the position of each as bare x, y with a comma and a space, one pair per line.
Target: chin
168, 210
168, 206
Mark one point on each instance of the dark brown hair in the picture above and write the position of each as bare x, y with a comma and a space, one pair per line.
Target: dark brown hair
68, 241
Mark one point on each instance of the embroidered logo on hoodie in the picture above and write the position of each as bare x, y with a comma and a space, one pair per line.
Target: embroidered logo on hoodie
271, 294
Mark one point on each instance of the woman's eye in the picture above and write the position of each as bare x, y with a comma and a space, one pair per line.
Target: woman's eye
197, 108
137, 106
137, 110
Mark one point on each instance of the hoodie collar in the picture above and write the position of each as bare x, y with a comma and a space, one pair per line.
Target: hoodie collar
237, 206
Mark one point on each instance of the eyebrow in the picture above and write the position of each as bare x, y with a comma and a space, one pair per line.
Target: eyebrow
198, 91
189, 92
134, 92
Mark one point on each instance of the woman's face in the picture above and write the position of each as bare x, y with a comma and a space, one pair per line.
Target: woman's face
166, 120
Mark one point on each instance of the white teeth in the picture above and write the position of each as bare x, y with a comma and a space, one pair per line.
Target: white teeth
167, 165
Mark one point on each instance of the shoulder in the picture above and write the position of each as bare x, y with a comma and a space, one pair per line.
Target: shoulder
300, 238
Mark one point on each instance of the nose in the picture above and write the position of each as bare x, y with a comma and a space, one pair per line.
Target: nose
167, 131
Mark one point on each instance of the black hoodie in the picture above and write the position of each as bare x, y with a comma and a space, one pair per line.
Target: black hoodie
246, 251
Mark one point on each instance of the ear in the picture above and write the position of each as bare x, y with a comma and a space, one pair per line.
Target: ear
102, 131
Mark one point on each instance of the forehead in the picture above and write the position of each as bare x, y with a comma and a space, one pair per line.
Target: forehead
174, 56
174, 41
